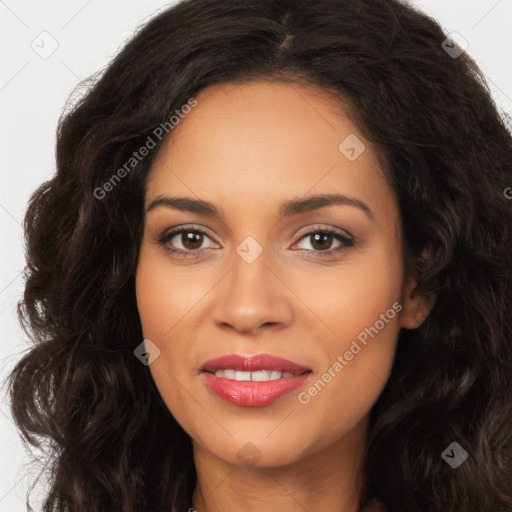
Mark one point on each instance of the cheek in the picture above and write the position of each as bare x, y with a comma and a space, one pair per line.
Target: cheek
163, 301
350, 297
360, 303
164, 295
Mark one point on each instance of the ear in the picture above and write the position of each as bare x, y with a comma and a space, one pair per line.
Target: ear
415, 306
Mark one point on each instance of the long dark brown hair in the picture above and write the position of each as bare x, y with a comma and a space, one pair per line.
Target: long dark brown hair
79, 391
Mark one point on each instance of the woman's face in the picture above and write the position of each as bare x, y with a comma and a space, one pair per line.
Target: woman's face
262, 278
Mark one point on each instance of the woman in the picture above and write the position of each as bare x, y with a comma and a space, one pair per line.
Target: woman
272, 270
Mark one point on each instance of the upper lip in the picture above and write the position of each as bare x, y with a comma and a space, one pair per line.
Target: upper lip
253, 363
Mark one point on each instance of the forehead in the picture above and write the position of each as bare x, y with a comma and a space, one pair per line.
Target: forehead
266, 140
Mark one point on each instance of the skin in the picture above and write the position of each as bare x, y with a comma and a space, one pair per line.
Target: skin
247, 147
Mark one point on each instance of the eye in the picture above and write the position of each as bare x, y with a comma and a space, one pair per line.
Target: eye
322, 240
190, 239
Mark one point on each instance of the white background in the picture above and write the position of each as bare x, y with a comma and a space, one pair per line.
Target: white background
33, 92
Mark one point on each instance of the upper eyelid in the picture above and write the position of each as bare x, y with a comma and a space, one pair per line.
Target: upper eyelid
317, 228
180, 229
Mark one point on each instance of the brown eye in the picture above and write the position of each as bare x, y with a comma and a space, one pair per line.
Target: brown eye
321, 241
186, 242
191, 239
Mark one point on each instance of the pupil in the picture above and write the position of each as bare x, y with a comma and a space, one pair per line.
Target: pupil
322, 236
189, 239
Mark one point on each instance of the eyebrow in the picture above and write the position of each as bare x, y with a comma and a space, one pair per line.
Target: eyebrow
286, 209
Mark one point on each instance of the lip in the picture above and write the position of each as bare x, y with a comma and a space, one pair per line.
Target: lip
253, 393
253, 363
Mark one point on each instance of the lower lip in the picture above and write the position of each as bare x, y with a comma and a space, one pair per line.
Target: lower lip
250, 393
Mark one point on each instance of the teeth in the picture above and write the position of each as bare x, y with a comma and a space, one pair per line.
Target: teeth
229, 374
242, 375
259, 376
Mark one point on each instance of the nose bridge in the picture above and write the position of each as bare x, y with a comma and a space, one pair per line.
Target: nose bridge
250, 277
252, 295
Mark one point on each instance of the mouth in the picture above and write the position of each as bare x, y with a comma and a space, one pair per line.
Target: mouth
253, 381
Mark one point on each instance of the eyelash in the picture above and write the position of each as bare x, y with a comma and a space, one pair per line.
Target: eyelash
346, 241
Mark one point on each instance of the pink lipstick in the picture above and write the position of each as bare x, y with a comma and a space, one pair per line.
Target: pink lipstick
253, 381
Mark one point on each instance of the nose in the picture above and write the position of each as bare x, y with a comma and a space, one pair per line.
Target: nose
253, 296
